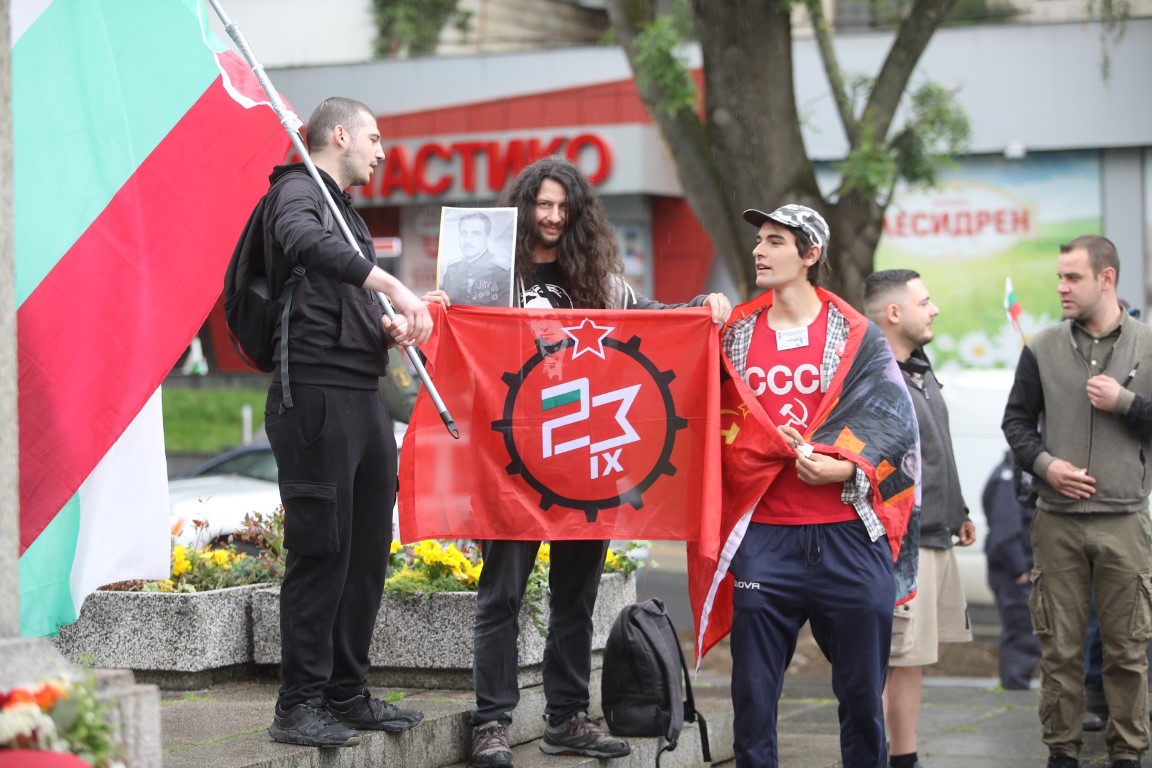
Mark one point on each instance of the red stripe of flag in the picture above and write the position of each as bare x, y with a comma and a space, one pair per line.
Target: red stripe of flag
105, 327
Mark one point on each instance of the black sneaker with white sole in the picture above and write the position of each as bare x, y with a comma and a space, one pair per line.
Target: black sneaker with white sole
311, 725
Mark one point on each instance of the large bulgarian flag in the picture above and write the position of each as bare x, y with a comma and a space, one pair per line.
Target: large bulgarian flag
137, 161
575, 424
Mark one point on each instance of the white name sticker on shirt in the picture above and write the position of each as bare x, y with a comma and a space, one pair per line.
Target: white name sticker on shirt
793, 338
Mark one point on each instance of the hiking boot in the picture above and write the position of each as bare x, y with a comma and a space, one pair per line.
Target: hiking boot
368, 714
311, 725
581, 735
1062, 761
1126, 764
490, 745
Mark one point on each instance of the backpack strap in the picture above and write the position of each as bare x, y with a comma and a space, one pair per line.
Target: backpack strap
654, 610
691, 715
286, 299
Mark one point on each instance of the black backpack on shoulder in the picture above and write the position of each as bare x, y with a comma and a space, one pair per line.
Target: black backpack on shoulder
251, 312
645, 686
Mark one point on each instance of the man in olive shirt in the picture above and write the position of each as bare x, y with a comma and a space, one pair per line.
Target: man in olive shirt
1091, 535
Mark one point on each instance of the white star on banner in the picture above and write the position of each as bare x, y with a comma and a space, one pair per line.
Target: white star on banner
589, 337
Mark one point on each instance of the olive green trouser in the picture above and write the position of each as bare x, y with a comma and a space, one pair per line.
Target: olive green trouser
1076, 554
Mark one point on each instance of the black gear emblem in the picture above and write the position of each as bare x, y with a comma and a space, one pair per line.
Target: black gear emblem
566, 488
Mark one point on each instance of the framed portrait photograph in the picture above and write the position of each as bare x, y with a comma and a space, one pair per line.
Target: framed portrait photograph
474, 263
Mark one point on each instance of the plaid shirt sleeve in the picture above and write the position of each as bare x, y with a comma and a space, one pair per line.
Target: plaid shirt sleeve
856, 492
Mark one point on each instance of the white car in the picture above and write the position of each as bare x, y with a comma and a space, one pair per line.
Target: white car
976, 400
221, 491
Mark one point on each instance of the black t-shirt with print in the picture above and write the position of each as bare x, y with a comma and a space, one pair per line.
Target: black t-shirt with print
549, 288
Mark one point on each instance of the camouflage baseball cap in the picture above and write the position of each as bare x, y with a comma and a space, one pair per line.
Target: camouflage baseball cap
800, 217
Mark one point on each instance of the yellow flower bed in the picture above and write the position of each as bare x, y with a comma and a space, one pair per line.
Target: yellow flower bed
433, 566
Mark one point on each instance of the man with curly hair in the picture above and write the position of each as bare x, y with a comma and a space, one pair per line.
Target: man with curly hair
566, 257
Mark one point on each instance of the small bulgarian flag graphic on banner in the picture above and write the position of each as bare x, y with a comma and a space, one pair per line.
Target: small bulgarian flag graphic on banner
1012, 306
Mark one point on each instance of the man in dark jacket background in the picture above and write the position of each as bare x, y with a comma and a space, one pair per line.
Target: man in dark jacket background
332, 439
897, 300
1009, 551
1079, 418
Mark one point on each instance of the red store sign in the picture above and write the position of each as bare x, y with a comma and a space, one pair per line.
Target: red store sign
468, 166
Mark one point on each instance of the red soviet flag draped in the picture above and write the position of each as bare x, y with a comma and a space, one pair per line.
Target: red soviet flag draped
575, 424
752, 454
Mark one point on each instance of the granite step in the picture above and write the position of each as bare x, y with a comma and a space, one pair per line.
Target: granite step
226, 727
686, 755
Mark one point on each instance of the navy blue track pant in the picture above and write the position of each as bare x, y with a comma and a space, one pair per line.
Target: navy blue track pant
833, 576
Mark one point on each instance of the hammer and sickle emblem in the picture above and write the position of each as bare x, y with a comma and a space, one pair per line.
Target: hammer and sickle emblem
789, 412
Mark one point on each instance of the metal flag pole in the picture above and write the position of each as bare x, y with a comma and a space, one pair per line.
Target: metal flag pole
291, 125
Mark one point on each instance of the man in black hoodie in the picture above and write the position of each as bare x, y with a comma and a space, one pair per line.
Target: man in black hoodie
898, 301
331, 434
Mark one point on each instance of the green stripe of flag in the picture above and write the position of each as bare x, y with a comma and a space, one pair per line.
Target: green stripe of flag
47, 564
134, 76
572, 396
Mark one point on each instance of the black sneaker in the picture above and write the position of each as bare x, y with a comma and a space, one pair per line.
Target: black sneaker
581, 735
1062, 761
312, 726
1126, 764
368, 714
490, 746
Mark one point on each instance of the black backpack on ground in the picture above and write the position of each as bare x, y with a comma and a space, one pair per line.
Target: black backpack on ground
251, 312
645, 686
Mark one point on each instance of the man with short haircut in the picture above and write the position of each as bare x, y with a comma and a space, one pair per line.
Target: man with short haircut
479, 278
819, 545
331, 434
898, 302
1079, 417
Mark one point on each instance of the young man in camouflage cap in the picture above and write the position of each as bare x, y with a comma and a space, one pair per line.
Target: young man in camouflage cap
818, 546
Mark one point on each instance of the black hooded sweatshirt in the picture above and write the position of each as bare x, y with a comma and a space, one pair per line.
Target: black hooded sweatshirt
335, 336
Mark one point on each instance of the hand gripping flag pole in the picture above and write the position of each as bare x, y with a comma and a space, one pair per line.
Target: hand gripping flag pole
291, 124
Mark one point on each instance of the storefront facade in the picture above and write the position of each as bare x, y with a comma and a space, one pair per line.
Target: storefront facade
1044, 163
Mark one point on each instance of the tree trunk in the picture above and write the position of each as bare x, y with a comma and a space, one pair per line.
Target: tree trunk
856, 226
747, 151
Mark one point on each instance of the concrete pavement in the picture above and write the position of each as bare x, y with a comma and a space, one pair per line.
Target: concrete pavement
965, 722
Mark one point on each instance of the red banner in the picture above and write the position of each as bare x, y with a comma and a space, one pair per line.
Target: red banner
575, 424
752, 453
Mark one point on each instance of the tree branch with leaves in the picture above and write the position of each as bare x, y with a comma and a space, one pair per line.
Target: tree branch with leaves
741, 145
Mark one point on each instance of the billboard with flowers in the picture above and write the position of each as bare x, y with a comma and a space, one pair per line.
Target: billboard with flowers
991, 219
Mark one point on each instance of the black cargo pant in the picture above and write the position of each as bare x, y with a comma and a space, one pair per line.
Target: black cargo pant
336, 457
574, 580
